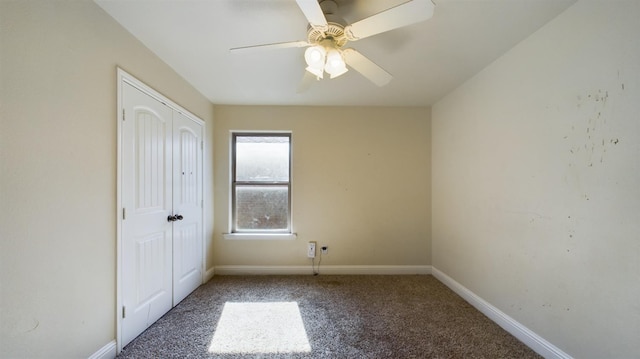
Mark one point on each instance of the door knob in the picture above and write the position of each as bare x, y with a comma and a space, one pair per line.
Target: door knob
172, 218
179, 217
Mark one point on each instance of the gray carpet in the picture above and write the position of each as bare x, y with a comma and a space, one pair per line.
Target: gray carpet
343, 317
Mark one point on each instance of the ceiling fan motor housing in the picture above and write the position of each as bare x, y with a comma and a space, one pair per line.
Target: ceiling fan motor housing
334, 32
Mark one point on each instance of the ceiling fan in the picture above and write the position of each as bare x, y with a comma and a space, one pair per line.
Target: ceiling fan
327, 35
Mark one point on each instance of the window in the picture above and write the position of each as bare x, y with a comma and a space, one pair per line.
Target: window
261, 183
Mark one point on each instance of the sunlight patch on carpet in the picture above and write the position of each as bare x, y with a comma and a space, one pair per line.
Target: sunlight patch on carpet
274, 327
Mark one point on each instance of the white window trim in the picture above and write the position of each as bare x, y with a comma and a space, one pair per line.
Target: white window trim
260, 236
257, 235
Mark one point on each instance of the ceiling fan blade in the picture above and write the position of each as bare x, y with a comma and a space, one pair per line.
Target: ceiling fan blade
313, 13
366, 67
307, 80
278, 45
404, 14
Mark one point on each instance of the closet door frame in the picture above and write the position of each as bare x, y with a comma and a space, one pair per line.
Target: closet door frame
124, 77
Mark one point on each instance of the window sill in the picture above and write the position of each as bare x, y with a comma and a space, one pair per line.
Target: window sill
260, 236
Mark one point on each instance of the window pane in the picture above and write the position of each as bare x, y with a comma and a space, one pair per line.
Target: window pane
262, 159
262, 207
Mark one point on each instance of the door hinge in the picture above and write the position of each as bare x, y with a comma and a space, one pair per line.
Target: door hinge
202, 145
202, 203
123, 312
123, 117
124, 213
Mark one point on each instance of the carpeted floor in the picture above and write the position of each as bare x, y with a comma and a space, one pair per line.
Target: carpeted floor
342, 317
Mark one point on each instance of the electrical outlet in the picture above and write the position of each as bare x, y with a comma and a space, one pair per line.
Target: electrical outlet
325, 249
311, 249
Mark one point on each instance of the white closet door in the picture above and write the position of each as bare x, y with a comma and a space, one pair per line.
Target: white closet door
187, 204
147, 202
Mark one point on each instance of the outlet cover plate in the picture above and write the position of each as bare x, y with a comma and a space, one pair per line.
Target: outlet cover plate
311, 249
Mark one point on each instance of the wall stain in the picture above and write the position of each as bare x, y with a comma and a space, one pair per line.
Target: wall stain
591, 147
35, 327
27, 325
589, 141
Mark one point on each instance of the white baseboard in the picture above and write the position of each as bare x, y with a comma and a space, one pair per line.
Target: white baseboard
209, 274
524, 334
106, 352
328, 270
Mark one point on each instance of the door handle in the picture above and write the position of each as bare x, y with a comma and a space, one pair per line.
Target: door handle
179, 217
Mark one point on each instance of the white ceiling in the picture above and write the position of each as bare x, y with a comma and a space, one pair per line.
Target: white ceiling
427, 60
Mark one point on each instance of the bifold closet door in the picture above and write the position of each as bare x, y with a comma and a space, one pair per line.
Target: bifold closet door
147, 200
162, 199
187, 206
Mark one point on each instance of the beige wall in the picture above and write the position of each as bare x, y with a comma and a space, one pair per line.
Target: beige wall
58, 172
536, 181
361, 185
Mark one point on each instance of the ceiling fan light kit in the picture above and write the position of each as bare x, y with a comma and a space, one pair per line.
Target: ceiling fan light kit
326, 39
335, 64
316, 55
315, 58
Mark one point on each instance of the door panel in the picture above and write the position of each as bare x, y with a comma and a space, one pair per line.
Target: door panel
150, 141
187, 202
147, 201
149, 249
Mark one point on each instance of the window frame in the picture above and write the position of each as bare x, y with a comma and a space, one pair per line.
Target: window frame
236, 233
